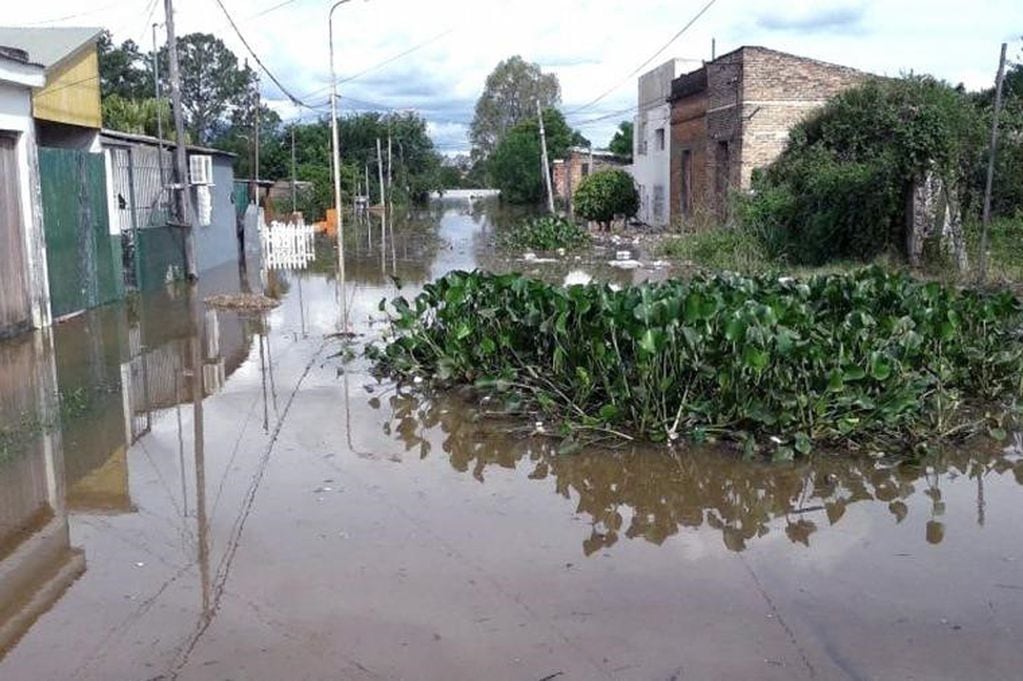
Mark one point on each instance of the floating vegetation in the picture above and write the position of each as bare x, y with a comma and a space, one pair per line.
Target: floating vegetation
253, 302
547, 234
864, 359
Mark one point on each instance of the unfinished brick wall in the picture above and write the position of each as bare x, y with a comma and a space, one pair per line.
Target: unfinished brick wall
779, 91
688, 141
569, 173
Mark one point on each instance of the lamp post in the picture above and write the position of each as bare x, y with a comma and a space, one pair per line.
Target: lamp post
336, 158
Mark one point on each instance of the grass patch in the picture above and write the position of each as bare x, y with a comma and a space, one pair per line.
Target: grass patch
865, 359
720, 249
547, 233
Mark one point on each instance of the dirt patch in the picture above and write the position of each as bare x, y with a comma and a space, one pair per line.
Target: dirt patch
252, 302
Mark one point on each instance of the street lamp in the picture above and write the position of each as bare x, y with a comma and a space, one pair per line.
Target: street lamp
336, 158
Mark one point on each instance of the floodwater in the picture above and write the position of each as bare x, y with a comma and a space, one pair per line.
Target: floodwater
310, 521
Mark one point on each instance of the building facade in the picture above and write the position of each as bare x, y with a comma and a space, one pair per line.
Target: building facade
651, 152
734, 115
580, 163
24, 292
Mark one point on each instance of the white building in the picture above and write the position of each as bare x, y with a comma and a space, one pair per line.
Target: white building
24, 291
651, 153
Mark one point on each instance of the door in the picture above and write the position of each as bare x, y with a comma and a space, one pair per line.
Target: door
687, 183
15, 303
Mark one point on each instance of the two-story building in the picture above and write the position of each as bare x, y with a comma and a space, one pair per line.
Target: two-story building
733, 115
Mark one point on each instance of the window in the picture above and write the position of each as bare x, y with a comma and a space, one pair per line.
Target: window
658, 204
659, 138
722, 175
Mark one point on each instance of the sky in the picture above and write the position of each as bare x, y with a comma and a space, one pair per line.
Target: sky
433, 56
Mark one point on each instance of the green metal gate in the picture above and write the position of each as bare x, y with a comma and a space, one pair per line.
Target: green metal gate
83, 260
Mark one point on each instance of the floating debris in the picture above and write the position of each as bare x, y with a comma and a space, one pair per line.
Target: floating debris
242, 301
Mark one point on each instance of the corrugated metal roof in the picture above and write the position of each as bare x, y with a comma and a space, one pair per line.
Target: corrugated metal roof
48, 46
115, 136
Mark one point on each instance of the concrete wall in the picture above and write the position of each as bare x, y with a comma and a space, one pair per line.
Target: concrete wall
652, 143
16, 116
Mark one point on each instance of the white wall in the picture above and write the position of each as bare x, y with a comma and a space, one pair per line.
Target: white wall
651, 158
16, 116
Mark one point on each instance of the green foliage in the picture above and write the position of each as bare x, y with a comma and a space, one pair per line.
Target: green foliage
123, 70
509, 97
605, 194
621, 143
515, 164
734, 250
547, 233
869, 358
137, 116
838, 190
1007, 191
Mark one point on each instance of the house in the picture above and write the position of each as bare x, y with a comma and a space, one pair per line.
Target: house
734, 115
138, 169
581, 161
83, 257
24, 290
651, 153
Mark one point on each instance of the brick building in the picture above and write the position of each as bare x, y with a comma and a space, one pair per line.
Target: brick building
733, 115
581, 161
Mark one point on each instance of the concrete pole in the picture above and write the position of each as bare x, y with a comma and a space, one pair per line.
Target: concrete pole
380, 172
986, 220
184, 207
390, 175
294, 178
336, 155
546, 162
159, 108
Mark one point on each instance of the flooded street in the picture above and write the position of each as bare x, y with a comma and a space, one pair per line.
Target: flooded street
327, 525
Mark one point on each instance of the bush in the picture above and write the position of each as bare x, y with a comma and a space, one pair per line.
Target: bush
838, 191
869, 358
606, 194
547, 234
735, 250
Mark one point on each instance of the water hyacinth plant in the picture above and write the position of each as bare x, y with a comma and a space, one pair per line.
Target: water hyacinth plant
547, 233
869, 358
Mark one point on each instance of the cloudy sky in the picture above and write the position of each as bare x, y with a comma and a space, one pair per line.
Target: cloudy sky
433, 55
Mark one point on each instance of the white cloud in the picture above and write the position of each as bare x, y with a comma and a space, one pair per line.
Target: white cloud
590, 44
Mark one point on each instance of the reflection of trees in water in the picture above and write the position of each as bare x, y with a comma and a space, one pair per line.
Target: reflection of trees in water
652, 494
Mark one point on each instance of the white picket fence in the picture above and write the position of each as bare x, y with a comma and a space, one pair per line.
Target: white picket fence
287, 245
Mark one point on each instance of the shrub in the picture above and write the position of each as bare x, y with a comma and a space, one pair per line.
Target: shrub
735, 250
605, 194
868, 358
547, 233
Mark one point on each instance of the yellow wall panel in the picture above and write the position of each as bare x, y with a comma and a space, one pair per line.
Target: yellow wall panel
71, 94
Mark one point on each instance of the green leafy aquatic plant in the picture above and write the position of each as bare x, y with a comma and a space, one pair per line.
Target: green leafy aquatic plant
869, 358
547, 233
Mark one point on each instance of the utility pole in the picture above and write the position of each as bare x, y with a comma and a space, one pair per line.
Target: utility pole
336, 163
184, 209
546, 162
380, 172
390, 175
366, 168
713, 49
986, 220
255, 139
159, 107
294, 175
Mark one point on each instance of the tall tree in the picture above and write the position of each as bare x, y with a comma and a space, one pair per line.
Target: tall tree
212, 83
621, 143
514, 165
123, 70
509, 98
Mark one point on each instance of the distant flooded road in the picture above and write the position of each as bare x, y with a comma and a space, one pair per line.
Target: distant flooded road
313, 522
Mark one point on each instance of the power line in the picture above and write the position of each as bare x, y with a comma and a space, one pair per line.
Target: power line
76, 15
650, 59
294, 100
268, 10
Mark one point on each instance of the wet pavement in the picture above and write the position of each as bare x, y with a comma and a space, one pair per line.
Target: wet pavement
331, 526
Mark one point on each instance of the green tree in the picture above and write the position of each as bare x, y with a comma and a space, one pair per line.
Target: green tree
137, 116
514, 166
1007, 191
621, 143
212, 83
509, 98
123, 70
606, 194
839, 189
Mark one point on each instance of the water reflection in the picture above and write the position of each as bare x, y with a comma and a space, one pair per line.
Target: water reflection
654, 495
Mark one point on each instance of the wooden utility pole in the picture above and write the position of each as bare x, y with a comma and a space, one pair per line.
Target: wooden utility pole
255, 139
294, 175
184, 208
390, 175
546, 162
366, 168
159, 107
986, 220
380, 172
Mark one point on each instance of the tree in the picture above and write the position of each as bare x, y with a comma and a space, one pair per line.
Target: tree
606, 194
621, 143
510, 97
124, 70
841, 187
515, 164
212, 83
137, 116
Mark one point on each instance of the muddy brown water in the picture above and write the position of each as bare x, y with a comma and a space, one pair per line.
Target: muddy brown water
331, 526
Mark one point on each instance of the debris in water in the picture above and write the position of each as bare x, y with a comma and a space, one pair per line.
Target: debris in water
242, 301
